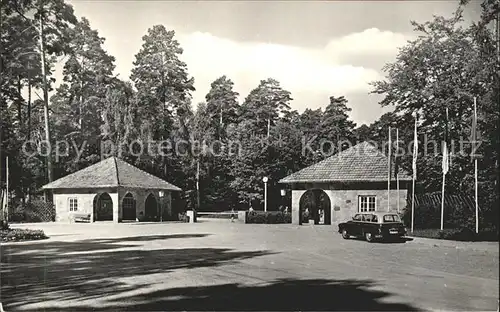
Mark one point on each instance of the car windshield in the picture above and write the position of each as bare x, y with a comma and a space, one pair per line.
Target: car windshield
392, 218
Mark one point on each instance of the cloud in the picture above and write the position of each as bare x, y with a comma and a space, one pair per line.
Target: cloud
310, 74
300, 70
371, 48
371, 41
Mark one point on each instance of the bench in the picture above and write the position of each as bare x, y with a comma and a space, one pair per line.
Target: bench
81, 217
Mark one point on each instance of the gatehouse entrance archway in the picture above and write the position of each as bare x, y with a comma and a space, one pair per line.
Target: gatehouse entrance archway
315, 205
103, 207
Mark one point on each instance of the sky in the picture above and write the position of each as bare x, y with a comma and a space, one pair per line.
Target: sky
315, 49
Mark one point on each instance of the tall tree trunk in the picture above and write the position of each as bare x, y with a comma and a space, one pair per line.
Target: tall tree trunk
197, 185
80, 107
220, 123
45, 100
164, 101
29, 102
268, 127
1, 105
19, 103
1, 132
497, 21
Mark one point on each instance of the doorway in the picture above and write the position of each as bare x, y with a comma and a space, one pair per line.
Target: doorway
315, 205
103, 207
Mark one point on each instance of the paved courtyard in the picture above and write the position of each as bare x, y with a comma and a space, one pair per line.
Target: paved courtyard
218, 265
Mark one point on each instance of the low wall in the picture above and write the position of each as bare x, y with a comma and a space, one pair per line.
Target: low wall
191, 215
242, 216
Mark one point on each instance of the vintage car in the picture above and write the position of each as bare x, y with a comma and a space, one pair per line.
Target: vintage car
373, 225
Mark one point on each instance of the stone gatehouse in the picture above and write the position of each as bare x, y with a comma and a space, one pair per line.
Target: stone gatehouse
354, 180
112, 190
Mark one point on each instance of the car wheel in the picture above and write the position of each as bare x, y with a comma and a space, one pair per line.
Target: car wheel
369, 237
345, 235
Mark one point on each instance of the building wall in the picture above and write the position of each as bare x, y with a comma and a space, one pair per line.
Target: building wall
140, 196
86, 202
296, 195
344, 201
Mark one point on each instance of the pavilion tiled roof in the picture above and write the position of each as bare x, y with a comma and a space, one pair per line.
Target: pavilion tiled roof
111, 172
360, 163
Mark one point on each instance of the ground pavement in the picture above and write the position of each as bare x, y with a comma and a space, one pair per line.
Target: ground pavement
219, 265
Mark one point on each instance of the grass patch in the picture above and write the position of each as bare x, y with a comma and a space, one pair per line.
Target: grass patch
460, 234
17, 235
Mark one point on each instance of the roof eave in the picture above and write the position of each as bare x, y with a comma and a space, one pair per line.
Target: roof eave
329, 180
159, 188
45, 187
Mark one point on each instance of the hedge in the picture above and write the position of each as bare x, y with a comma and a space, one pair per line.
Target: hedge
429, 217
183, 217
269, 217
458, 234
219, 216
459, 224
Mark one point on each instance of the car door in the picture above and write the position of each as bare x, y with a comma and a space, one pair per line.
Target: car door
364, 224
370, 224
355, 225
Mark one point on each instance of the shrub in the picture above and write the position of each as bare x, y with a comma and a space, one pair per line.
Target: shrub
4, 226
270, 217
183, 217
287, 218
458, 234
256, 217
426, 217
429, 217
219, 216
488, 234
460, 216
21, 235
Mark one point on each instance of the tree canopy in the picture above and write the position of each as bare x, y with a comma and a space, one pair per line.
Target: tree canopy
226, 144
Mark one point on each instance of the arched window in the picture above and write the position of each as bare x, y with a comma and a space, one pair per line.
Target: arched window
128, 207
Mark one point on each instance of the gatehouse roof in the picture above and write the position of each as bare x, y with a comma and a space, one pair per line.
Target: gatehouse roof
360, 163
111, 172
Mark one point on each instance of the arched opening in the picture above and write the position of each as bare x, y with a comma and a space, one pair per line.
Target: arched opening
315, 205
103, 207
128, 207
151, 208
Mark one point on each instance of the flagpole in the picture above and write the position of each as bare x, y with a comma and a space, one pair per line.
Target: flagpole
445, 168
414, 168
442, 198
475, 170
413, 203
197, 186
477, 205
7, 188
389, 174
397, 175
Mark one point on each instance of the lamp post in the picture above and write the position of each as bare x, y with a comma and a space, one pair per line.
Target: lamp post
162, 194
283, 193
265, 179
